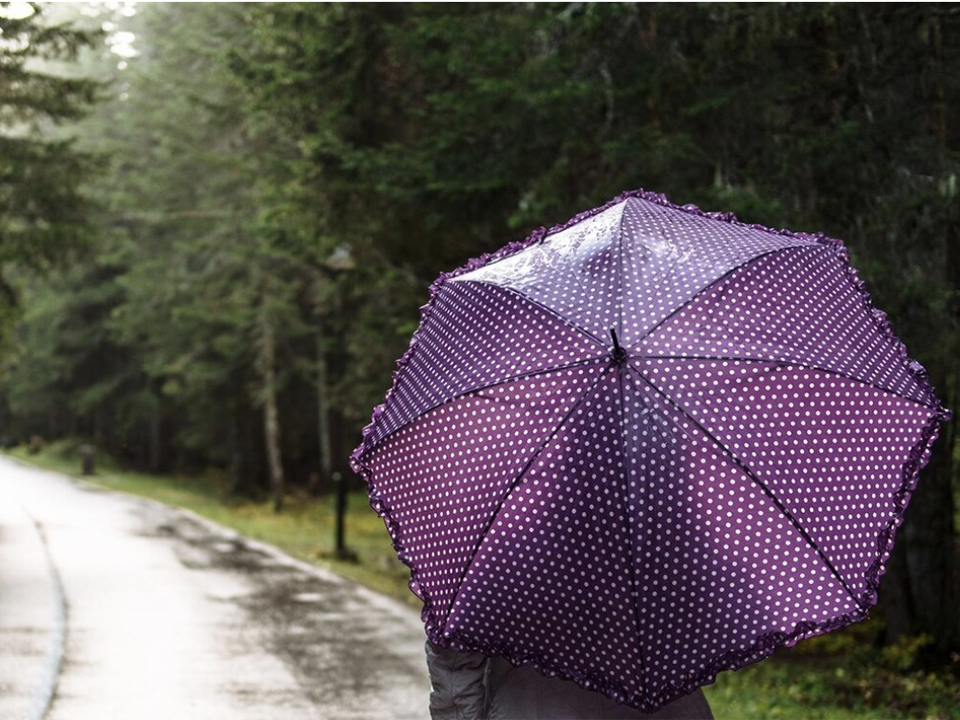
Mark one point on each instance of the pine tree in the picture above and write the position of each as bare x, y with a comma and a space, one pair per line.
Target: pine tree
43, 210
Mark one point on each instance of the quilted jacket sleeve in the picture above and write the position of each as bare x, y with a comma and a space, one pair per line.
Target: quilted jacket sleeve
457, 684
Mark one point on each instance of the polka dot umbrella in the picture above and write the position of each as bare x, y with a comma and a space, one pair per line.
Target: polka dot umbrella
647, 446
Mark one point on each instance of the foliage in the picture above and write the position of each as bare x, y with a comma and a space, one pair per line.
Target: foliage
832, 689
43, 211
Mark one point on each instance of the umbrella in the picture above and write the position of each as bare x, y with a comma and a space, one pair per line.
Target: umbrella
647, 446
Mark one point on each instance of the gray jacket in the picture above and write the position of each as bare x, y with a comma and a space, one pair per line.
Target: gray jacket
473, 686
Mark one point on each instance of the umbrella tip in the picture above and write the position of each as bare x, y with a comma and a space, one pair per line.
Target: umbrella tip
619, 353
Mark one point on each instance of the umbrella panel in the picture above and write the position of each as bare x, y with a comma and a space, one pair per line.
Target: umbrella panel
829, 449
547, 581
478, 335
795, 306
442, 477
724, 570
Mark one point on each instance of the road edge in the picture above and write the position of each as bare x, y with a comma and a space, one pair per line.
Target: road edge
397, 609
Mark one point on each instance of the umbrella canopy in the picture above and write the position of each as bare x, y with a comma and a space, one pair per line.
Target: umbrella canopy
647, 446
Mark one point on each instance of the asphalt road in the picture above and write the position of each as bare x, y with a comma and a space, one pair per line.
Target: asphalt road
113, 606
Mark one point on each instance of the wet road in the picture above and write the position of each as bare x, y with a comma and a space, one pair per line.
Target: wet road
117, 607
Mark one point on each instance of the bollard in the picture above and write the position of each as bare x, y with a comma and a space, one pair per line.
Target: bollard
87, 455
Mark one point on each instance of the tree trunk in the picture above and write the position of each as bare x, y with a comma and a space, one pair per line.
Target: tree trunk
271, 423
236, 455
246, 466
156, 437
99, 427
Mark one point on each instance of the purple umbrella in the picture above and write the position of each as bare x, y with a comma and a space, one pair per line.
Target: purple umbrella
647, 446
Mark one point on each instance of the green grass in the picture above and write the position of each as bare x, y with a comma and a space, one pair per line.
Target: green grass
840, 676
813, 682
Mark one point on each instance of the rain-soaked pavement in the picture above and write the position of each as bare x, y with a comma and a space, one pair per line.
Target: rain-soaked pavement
113, 606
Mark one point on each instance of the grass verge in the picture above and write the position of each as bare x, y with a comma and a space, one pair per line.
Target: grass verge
840, 676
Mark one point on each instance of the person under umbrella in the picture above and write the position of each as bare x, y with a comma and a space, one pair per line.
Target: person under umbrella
474, 686
645, 447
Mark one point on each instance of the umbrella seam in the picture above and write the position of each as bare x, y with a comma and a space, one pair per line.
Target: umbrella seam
789, 363
713, 283
626, 205
769, 493
626, 509
513, 485
480, 388
548, 310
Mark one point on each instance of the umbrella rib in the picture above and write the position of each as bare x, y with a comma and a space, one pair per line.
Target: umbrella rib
791, 363
549, 310
749, 473
481, 388
628, 524
620, 271
713, 282
513, 485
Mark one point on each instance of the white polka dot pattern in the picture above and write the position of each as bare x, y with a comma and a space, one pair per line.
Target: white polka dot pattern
636, 255
559, 550
638, 515
444, 475
474, 352
719, 565
573, 272
805, 435
794, 306
670, 256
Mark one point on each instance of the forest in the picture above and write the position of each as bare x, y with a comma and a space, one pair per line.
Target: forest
218, 221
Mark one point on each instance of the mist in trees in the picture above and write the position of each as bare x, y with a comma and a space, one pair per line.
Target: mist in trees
238, 150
